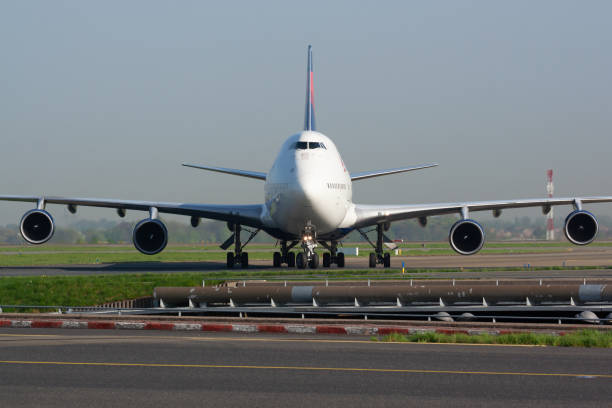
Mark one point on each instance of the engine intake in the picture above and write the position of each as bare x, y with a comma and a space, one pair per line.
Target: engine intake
580, 227
466, 237
37, 226
150, 236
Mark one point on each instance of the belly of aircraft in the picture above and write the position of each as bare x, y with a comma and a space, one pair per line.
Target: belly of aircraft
292, 212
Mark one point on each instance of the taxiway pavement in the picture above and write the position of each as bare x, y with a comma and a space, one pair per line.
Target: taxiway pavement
52, 368
573, 257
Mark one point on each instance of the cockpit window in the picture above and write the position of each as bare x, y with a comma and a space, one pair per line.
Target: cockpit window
307, 145
316, 145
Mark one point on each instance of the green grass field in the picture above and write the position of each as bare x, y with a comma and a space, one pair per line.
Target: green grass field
582, 338
88, 290
96, 289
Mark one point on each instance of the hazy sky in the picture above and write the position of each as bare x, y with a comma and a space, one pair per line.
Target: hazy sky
107, 98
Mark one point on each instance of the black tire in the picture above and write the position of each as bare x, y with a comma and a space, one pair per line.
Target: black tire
230, 260
276, 260
340, 260
300, 262
314, 261
244, 260
387, 260
291, 259
326, 260
372, 260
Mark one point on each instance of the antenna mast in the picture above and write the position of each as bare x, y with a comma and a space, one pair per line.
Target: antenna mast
550, 226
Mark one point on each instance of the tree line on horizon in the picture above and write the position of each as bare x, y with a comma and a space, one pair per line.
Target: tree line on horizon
437, 229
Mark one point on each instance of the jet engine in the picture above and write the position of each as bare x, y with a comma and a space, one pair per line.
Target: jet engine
150, 236
580, 227
466, 237
37, 226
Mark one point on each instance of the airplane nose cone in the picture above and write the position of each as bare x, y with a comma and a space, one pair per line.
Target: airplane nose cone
310, 193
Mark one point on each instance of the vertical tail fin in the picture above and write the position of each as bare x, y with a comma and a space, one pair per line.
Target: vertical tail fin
309, 119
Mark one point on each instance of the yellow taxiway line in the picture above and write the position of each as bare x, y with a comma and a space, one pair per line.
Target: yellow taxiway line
305, 368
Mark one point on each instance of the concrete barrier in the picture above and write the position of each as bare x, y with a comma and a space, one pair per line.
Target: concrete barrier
351, 329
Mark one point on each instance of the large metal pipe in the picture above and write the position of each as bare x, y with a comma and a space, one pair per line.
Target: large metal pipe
388, 294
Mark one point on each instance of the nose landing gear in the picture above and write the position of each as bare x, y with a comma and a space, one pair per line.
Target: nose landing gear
309, 242
308, 258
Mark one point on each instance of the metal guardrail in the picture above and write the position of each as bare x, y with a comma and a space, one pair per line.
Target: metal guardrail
493, 314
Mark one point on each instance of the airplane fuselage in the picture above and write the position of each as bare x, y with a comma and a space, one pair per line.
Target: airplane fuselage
308, 184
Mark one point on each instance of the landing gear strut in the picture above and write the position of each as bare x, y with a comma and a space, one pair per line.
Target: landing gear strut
378, 256
333, 256
284, 256
238, 256
309, 242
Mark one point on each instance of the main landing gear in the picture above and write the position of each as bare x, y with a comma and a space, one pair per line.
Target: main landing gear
308, 257
237, 257
379, 256
333, 256
285, 256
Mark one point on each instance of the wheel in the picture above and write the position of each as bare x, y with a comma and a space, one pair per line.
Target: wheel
230, 260
300, 262
326, 259
372, 260
276, 260
387, 260
340, 260
291, 259
244, 260
314, 261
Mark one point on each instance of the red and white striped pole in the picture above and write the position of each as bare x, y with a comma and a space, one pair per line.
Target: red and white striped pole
550, 227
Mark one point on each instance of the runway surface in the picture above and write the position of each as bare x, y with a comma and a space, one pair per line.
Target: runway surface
51, 368
573, 257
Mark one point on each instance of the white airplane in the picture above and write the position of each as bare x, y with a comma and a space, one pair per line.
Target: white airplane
308, 202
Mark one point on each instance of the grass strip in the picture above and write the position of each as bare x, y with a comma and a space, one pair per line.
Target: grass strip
96, 289
581, 338
88, 290
84, 258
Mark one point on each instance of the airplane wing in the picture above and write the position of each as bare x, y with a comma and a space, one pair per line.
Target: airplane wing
375, 214
248, 214
377, 173
235, 172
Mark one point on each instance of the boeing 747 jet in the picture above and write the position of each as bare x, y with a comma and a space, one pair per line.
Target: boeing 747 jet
307, 203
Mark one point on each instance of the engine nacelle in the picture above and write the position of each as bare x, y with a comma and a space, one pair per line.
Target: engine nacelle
466, 237
150, 236
580, 227
37, 226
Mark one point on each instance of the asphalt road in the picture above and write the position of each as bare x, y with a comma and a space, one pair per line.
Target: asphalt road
55, 368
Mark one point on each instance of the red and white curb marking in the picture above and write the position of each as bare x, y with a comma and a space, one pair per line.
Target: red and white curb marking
243, 328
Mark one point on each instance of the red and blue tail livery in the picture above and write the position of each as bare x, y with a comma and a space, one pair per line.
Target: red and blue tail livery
309, 119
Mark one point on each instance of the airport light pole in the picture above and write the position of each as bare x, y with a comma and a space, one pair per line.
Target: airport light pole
550, 226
